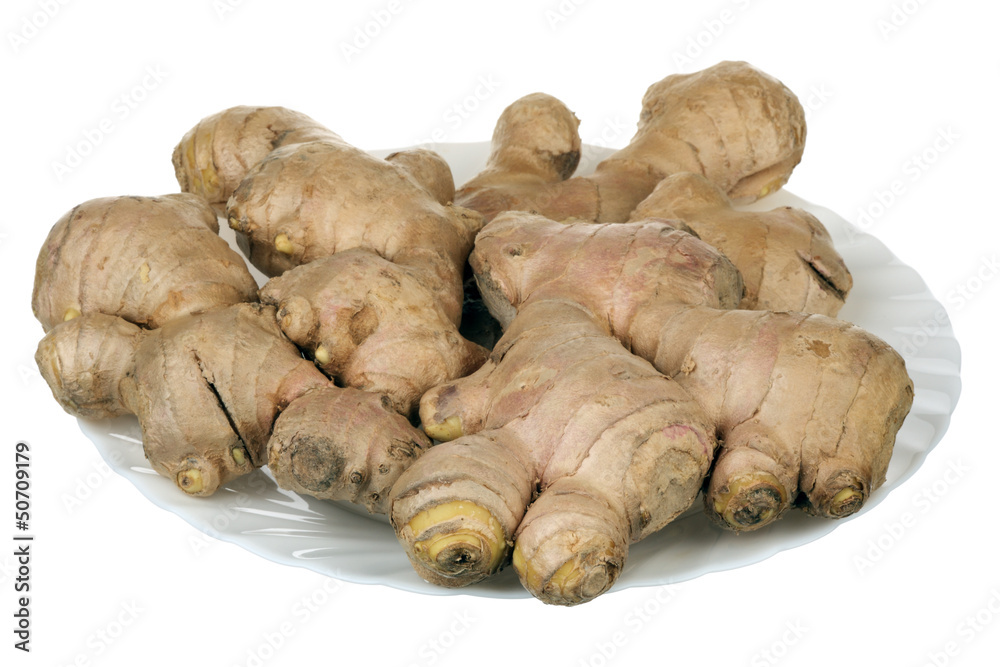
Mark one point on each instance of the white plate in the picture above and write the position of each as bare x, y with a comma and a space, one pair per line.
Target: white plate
889, 299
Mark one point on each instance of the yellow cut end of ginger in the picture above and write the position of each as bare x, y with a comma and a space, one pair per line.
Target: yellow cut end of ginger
283, 244
144, 272
71, 314
190, 480
449, 429
322, 354
847, 501
238, 456
472, 519
567, 574
725, 506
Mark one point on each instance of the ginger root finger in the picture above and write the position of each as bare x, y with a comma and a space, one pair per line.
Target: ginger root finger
818, 402
371, 324
84, 359
740, 128
786, 255
534, 149
572, 543
456, 508
429, 170
297, 198
621, 267
214, 156
207, 389
343, 444
145, 259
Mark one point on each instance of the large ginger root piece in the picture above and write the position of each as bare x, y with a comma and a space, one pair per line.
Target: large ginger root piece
740, 128
603, 447
311, 200
807, 407
786, 255
145, 259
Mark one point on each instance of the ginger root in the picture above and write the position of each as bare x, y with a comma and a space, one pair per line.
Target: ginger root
206, 388
146, 259
785, 255
372, 324
563, 418
223, 392
367, 258
740, 128
812, 404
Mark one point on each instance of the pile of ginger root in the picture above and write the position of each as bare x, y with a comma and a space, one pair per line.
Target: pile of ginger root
654, 341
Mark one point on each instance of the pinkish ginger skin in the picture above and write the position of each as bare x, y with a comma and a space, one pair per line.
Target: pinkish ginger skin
785, 255
807, 407
626, 459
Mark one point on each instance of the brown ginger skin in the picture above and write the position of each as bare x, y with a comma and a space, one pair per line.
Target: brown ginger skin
372, 324
214, 156
371, 264
786, 255
206, 388
145, 259
343, 444
223, 392
367, 258
739, 127
429, 170
308, 201
803, 404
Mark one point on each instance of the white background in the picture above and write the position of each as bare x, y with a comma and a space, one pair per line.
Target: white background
884, 78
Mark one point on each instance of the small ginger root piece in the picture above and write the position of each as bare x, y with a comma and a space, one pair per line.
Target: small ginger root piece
786, 255
84, 361
807, 407
145, 259
343, 444
604, 448
206, 388
739, 127
372, 324
214, 156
